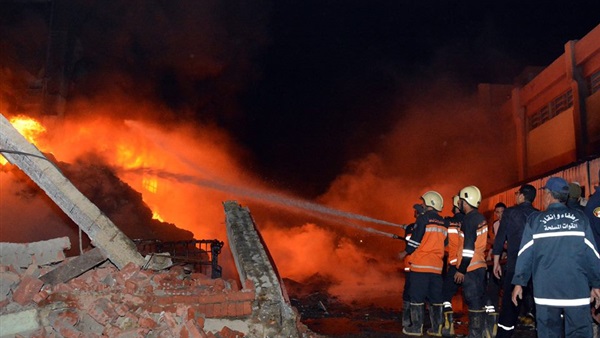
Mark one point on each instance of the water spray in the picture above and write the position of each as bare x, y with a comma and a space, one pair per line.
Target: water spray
315, 209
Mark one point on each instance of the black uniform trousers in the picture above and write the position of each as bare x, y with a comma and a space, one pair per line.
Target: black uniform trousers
450, 287
509, 313
577, 322
425, 286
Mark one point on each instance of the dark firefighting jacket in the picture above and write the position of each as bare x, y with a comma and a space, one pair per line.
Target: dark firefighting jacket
426, 245
471, 253
408, 230
592, 210
558, 250
511, 230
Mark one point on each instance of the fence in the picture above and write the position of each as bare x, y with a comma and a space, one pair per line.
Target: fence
201, 255
586, 174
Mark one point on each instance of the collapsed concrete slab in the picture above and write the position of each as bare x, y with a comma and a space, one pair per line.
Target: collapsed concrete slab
276, 316
22, 255
101, 230
19, 322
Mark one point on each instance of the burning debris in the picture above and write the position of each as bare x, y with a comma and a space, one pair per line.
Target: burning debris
129, 300
96, 181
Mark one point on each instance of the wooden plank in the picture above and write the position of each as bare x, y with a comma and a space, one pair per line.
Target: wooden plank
75, 267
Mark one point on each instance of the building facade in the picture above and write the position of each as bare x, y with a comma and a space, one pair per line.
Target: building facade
556, 115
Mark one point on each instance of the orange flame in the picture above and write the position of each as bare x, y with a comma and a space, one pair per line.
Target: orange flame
156, 215
30, 128
158, 163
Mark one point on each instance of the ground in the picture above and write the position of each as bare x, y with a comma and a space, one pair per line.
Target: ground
327, 316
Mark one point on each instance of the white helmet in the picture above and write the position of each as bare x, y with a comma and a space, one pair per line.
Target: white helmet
471, 195
455, 200
434, 200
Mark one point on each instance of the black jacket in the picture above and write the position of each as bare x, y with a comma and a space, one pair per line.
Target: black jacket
511, 230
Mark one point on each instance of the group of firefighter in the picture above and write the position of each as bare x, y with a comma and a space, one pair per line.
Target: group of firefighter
445, 253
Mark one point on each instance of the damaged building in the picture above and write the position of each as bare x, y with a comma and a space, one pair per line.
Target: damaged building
112, 291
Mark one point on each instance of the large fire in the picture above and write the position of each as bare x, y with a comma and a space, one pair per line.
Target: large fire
185, 173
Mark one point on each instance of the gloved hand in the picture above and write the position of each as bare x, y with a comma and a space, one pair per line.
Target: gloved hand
419, 208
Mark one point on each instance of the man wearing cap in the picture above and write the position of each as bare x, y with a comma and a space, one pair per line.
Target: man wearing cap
510, 231
574, 196
559, 253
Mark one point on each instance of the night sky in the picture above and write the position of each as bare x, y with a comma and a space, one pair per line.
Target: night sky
304, 86
336, 69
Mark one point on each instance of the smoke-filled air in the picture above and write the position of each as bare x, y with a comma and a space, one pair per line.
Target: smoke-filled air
150, 132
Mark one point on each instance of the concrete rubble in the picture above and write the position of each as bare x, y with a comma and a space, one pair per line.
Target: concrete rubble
131, 302
111, 291
105, 301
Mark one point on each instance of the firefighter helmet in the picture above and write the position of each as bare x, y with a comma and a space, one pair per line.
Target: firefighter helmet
471, 195
434, 200
455, 200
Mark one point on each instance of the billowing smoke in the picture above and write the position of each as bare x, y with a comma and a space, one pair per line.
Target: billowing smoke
148, 99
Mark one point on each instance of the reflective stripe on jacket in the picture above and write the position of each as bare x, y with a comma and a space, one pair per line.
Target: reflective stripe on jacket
426, 245
559, 252
453, 224
473, 242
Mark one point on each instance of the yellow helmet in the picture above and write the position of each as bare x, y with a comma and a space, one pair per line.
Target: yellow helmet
471, 195
434, 200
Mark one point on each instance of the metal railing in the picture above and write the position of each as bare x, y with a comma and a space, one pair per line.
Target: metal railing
201, 255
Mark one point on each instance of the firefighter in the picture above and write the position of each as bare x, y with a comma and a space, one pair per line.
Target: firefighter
453, 223
425, 251
471, 265
559, 253
408, 229
511, 232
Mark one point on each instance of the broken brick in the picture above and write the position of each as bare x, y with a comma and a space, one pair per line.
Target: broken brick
191, 329
102, 311
40, 297
226, 332
146, 322
27, 289
171, 321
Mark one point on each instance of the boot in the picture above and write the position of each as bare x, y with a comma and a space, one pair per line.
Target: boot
417, 312
476, 321
436, 315
405, 313
491, 324
448, 323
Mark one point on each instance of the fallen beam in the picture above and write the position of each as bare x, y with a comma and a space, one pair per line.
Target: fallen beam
75, 267
254, 263
104, 234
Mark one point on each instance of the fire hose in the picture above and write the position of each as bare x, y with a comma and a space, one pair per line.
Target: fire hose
418, 209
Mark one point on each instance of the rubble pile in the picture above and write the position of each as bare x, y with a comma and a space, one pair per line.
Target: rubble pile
131, 302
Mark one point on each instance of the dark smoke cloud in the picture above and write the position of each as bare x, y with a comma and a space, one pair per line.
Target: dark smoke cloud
192, 56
